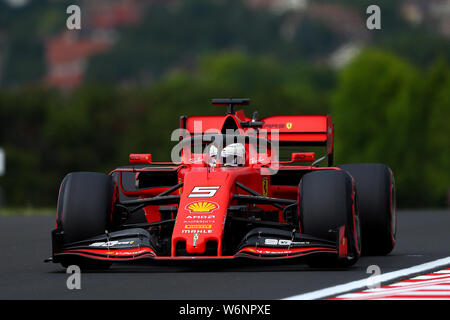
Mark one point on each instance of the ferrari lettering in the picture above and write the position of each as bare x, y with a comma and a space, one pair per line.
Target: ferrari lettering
274, 125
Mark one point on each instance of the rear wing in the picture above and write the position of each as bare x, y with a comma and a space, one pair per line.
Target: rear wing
303, 130
292, 130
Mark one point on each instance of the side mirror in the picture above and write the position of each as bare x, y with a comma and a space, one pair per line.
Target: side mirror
303, 157
140, 158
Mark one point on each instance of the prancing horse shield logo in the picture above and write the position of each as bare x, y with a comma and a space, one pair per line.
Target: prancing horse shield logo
265, 186
289, 125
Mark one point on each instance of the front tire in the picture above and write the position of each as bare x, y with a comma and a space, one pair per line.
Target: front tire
327, 202
84, 210
375, 185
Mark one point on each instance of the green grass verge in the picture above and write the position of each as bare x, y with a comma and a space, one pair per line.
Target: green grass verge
26, 211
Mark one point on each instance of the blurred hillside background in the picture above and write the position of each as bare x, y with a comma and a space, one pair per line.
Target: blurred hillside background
85, 99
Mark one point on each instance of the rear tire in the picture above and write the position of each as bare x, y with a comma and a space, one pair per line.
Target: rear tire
375, 185
84, 210
327, 202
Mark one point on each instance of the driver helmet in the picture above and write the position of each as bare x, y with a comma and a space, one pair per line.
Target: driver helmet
233, 155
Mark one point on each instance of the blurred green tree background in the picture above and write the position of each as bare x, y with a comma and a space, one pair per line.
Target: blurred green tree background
390, 104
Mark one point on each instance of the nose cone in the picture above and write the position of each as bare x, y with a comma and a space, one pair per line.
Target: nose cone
202, 212
202, 223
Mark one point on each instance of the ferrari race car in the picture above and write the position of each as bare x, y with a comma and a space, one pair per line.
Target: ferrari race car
227, 195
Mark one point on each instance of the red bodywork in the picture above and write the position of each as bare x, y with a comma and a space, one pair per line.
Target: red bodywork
207, 193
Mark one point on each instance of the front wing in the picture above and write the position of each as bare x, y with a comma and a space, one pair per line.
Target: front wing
260, 243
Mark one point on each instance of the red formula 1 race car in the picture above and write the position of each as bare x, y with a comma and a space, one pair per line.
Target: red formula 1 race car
227, 195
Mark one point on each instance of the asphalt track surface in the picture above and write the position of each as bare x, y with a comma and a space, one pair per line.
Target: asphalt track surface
423, 236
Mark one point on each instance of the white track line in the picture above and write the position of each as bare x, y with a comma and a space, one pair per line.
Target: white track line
429, 298
433, 285
362, 284
433, 277
443, 271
